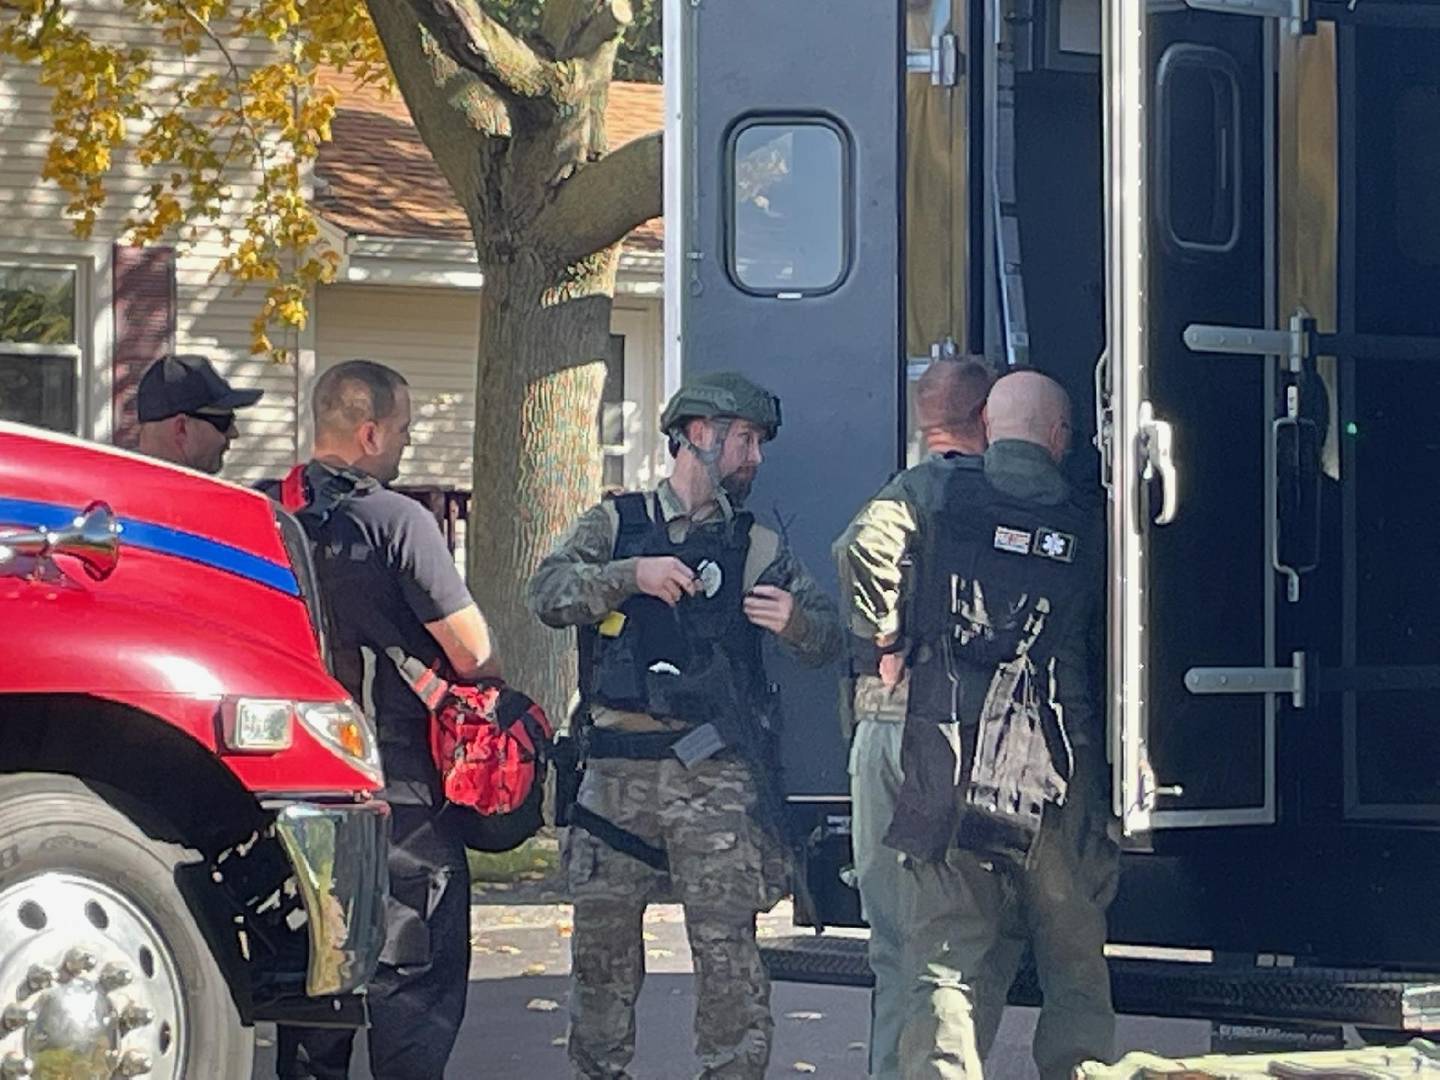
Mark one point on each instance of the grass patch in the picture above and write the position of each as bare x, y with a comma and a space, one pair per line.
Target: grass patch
535, 860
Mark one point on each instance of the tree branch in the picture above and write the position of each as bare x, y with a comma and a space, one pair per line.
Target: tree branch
482, 46
575, 28
439, 105
604, 200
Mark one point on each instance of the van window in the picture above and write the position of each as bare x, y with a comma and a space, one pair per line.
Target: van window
789, 194
1198, 171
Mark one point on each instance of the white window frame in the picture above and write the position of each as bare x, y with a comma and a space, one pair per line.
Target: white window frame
645, 457
78, 349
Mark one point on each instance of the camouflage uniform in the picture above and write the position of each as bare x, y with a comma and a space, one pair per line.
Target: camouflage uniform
723, 867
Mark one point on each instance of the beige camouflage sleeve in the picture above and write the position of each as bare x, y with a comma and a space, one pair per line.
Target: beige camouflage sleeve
578, 583
868, 555
813, 635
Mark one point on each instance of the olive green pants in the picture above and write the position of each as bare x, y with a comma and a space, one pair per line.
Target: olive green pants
967, 923
874, 780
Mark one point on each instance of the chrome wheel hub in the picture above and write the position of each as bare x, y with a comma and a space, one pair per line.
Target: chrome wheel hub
89, 988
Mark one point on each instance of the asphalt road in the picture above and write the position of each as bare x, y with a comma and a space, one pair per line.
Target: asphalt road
515, 1023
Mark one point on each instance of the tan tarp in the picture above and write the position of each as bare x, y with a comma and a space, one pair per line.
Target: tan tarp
1418, 1059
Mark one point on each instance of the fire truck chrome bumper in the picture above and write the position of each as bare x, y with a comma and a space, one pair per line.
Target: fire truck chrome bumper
339, 857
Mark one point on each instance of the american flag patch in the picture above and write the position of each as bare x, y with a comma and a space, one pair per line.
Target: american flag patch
1015, 541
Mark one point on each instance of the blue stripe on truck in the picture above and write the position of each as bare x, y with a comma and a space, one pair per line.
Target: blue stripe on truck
29, 514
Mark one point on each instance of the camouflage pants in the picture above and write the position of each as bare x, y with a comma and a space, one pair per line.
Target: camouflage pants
967, 923
723, 870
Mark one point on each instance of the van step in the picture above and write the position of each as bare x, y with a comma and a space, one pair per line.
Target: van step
1218, 990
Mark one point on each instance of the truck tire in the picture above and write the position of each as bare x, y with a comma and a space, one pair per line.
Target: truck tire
105, 967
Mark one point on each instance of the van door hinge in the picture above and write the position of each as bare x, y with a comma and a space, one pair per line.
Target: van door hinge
1304, 342
942, 61
1104, 421
1218, 680
1293, 346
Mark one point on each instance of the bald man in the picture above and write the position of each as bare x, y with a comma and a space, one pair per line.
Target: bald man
1002, 812
872, 555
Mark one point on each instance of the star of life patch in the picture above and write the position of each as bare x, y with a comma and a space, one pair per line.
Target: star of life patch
1052, 544
1015, 541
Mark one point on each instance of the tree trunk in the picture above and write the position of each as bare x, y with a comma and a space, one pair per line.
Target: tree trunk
517, 127
537, 459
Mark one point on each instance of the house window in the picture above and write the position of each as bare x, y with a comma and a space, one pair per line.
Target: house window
789, 195
39, 346
614, 441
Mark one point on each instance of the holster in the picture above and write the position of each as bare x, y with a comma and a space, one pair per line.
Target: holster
569, 757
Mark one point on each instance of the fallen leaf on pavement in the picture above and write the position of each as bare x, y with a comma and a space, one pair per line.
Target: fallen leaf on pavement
542, 1005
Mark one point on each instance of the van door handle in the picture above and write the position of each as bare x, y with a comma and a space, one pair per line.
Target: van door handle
1157, 461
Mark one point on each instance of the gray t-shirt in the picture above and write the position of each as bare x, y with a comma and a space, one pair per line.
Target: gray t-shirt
385, 571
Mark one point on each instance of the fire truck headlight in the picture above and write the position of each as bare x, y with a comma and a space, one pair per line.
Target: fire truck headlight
257, 725
346, 732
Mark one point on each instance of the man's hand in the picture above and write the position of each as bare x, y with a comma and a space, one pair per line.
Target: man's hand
769, 607
892, 664
665, 577
892, 669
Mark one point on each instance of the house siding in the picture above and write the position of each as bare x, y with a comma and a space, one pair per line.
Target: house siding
432, 336
211, 317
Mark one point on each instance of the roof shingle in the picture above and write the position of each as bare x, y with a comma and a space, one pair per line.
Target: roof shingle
376, 178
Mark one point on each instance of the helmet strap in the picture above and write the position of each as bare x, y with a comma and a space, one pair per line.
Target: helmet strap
710, 459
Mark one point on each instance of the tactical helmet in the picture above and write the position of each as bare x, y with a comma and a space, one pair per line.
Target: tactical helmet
720, 394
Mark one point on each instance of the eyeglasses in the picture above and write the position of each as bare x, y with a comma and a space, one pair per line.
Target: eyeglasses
221, 422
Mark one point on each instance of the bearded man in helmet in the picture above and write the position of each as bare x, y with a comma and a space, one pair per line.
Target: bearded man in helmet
673, 592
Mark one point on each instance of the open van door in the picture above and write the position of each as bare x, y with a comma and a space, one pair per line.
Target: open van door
1191, 132
1273, 368
783, 140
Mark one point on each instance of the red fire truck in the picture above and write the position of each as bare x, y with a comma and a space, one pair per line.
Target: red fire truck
189, 835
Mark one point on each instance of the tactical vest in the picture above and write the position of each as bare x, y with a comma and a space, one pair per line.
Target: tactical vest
997, 579
699, 661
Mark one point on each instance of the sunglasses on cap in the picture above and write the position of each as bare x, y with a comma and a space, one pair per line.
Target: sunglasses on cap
221, 422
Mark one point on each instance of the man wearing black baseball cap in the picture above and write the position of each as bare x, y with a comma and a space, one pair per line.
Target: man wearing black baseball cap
187, 412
